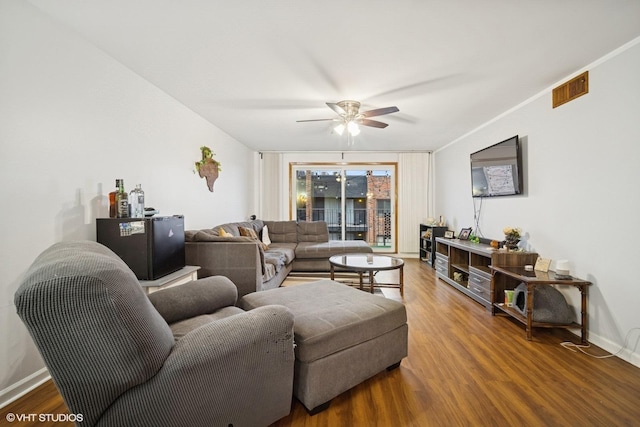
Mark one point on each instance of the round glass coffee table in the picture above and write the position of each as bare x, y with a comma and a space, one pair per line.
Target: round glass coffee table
370, 264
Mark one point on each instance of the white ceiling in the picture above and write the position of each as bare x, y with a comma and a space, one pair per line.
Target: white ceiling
254, 67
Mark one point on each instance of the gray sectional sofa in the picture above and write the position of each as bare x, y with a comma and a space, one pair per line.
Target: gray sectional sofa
295, 246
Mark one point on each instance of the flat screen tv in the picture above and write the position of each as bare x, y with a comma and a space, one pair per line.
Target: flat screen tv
497, 170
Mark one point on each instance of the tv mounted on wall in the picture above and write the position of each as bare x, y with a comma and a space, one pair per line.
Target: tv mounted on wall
497, 170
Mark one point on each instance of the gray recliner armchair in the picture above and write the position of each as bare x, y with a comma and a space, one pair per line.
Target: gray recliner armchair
184, 356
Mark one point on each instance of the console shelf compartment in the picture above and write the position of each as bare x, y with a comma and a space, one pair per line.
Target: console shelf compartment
428, 235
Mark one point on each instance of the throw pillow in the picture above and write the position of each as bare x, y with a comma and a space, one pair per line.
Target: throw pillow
250, 232
223, 233
265, 236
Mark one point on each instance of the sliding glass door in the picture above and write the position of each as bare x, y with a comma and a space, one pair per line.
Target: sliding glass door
356, 200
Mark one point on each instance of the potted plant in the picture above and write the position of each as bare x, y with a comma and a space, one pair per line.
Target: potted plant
512, 237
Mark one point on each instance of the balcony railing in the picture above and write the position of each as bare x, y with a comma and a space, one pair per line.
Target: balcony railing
371, 225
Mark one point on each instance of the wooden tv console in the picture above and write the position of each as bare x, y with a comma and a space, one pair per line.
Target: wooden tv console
484, 273
467, 266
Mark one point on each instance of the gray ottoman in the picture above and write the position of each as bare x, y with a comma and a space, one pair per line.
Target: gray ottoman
343, 336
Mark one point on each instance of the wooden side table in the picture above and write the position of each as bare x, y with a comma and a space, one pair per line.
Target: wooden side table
185, 274
508, 277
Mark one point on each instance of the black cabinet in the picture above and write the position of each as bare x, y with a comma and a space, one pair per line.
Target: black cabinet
428, 234
151, 247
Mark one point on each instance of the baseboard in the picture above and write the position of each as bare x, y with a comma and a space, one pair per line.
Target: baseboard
407, 255
22, 387
626, 354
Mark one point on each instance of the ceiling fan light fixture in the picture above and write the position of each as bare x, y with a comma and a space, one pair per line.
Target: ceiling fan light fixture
353, 128
350, 117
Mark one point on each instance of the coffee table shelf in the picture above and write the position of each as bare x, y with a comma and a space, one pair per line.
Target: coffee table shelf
371, 264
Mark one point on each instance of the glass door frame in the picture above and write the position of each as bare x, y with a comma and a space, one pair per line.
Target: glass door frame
342, 167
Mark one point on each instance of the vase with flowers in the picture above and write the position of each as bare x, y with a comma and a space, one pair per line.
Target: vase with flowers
511, 237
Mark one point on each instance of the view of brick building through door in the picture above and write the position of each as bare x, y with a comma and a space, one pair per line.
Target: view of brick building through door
356, 203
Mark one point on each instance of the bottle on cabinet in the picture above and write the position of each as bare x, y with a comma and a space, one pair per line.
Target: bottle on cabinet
137, 202
113, 207
122, 201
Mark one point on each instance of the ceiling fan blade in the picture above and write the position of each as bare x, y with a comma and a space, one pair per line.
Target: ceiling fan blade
335, 107
266, 104
380, 111
419, 88
316, 120
372, 123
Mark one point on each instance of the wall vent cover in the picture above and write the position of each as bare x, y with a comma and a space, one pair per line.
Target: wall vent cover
571, 90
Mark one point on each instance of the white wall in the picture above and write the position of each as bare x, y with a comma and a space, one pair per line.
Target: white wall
581, 198
72, 120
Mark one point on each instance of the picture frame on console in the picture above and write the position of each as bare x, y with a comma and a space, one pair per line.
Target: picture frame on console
448, 234
464, 234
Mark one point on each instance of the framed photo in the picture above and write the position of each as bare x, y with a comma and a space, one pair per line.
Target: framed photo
464, 234
448, 234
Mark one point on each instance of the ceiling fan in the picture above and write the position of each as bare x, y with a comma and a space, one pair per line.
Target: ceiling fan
351, 117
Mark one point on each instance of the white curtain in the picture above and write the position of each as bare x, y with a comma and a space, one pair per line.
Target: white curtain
270, 196
414, 198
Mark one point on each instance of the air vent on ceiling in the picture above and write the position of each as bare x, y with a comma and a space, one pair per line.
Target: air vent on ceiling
570, 90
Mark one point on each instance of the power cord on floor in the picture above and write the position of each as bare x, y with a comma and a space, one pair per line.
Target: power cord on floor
578, 347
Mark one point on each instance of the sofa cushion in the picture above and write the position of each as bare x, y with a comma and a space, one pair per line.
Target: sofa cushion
282, 231
250, 232
287, 250
311, 250
330, 317
265, 236
208, 235
257, 225
215, 231
276, 258
313, 231
232, 228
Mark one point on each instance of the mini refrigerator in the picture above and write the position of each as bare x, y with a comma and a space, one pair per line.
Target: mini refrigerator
152, 247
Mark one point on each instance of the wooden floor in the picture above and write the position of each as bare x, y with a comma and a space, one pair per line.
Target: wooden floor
464, 368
